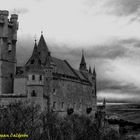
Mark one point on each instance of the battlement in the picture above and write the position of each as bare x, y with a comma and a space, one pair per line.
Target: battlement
4, 16
14, 17
4, 13
8, 25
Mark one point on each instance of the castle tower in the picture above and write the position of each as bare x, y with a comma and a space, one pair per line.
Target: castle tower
83, 63
35, 78
8, 38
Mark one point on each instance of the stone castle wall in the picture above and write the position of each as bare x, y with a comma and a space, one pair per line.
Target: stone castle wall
70, 94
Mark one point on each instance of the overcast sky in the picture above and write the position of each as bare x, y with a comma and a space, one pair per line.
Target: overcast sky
107, 30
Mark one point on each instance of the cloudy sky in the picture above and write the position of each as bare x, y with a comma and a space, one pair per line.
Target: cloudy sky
107, 30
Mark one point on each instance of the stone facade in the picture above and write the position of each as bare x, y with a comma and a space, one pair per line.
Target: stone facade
45, 80
8, 38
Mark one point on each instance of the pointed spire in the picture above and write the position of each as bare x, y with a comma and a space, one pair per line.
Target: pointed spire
42, 42
90, 69
34, 63
83, 63
83, 58
35, 52
43, 49
94, 71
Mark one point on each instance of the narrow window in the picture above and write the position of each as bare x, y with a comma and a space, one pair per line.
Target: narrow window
33, 77
11, 76
33, 93
9, 47
54, 105
54, 91
40, 78
62, 105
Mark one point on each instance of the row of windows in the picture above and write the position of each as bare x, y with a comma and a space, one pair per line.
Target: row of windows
70, 110
34, 94
34, 77
62, 105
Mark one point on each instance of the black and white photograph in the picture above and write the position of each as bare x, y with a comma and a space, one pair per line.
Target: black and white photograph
70, 69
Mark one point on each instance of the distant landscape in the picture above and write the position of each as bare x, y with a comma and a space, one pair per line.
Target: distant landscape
126, 111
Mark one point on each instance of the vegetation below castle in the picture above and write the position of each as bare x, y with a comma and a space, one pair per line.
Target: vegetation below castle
18, 118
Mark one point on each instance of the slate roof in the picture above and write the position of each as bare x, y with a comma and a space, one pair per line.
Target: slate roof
41, 55
62, 67
79, 74
43, 49
34, 63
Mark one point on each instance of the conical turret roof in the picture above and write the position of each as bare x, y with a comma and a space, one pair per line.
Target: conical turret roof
43, 49
34, 64
90, 69
94, 71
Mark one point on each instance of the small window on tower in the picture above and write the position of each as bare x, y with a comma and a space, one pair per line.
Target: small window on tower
54, 105
11, 76
33, 93
62, 105
9, 47
33, 77
40, 78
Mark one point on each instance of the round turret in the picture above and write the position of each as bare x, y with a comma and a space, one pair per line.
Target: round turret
14, 17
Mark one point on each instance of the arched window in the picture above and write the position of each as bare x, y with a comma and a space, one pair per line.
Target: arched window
33, 77
33, 93
40, 77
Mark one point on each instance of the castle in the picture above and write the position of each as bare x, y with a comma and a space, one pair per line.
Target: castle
45, 80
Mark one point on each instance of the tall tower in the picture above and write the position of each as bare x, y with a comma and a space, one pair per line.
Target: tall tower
8, 38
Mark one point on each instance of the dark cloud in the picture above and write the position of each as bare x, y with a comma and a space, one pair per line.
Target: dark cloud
123, 7
107, 84
107, 52
110, 51
133, 42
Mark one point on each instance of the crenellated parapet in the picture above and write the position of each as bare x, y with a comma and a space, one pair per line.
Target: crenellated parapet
8, 27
